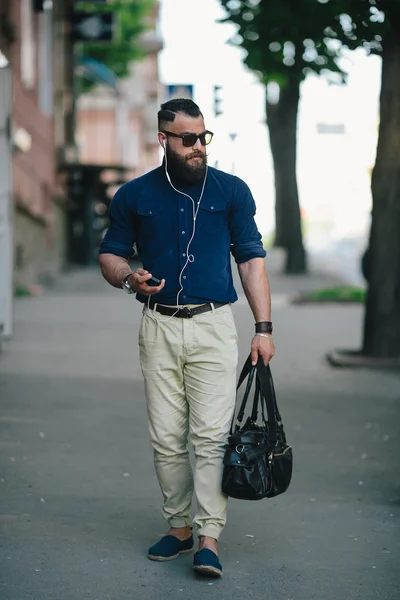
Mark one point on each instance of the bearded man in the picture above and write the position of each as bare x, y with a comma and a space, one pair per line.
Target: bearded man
186, 219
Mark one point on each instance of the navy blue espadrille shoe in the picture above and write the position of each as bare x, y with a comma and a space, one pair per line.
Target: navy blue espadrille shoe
206, 562
169, 547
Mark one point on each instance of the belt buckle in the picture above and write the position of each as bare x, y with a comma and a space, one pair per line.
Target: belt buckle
186, 312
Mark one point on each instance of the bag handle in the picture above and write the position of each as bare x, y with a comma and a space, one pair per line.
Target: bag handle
249, 383
264, 393
268, 397
254, 412
247, 369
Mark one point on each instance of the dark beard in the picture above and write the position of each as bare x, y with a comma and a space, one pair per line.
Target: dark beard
182, 172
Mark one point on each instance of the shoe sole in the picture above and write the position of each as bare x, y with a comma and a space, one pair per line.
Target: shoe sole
165, 558
208, 570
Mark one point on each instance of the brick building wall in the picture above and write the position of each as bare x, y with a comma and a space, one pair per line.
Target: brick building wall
39, 198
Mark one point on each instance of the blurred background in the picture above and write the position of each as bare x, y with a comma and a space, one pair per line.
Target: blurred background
81, 84
303, 97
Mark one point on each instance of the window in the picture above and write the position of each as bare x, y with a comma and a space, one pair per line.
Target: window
45, 51
27, 45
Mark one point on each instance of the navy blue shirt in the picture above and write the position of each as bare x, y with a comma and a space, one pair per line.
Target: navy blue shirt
149, 212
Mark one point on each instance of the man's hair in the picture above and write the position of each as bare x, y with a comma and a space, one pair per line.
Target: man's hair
168, 110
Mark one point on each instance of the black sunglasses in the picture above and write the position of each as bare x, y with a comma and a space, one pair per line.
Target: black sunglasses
189, 139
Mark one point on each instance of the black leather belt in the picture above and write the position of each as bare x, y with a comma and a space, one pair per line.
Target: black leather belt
186, 312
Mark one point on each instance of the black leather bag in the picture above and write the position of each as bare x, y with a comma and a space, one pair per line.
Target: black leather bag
258, 462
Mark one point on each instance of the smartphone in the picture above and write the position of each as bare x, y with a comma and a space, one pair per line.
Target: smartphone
153, 281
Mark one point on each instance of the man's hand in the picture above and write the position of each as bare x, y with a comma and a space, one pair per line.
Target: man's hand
262, 346
138, 283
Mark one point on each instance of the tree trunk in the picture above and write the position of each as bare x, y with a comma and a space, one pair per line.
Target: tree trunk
282, 125
382, 312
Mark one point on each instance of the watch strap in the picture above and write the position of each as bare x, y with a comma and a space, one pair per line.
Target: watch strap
124, 280
264, 327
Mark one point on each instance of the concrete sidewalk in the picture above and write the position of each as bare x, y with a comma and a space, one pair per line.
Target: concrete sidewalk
79, 501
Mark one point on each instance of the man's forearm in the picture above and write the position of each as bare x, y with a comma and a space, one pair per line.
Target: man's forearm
114, 268
256, 287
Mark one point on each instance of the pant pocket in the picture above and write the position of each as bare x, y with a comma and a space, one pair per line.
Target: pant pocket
147, 331
228, 320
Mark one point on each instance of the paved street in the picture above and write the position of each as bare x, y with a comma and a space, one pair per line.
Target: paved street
79, 501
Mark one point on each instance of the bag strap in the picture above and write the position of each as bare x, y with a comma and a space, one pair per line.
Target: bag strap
264, 394
272, 388
268, 398
242, 408
247, 367
248, 370
254, 412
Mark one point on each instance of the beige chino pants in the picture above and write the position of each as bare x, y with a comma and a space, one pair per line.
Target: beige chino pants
189, 369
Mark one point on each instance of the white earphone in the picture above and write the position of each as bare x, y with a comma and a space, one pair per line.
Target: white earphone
189, 257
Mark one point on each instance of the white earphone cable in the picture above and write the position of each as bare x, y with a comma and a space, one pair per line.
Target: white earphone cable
189, 257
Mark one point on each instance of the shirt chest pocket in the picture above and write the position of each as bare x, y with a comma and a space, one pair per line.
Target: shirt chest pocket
151, 220
212, 216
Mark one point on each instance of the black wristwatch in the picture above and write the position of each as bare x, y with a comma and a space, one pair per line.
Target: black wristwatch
126, 286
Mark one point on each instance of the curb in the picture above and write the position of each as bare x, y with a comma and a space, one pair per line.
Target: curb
354, 359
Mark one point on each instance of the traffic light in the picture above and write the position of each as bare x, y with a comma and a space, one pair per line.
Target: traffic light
217, 101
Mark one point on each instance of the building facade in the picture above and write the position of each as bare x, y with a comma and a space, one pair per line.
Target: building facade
35, 51
119, 127
54, 191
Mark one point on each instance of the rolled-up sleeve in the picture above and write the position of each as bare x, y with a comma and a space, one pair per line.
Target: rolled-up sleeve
120, 235
245, 238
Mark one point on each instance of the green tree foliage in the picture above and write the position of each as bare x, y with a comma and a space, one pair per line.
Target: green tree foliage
286, 40
130, 17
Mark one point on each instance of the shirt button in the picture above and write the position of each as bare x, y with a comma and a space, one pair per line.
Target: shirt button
182, 210
150, 213
183, 232
212, 208
184, 277
184, 254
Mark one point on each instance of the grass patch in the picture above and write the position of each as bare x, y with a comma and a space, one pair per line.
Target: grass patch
32, 289
21, 291
334, 294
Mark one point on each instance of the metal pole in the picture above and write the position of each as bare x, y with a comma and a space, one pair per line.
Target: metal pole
233, 138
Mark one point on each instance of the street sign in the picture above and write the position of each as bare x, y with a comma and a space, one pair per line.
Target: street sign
97, 71
180, 90
92, 27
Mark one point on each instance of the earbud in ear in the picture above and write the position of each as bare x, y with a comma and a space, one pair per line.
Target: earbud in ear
163, 144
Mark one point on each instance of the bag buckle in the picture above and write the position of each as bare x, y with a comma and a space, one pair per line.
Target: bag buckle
239, 448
